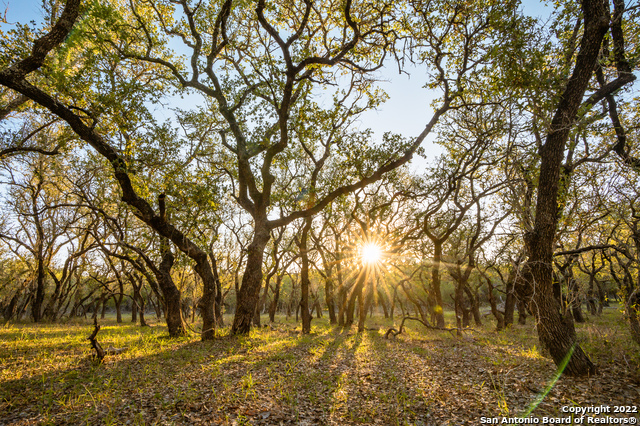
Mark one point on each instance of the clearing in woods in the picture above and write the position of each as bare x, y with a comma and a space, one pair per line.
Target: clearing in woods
277, 376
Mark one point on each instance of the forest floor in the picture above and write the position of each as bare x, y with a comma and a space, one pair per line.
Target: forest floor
333, 376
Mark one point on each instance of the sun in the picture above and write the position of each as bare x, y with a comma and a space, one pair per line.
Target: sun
371, 253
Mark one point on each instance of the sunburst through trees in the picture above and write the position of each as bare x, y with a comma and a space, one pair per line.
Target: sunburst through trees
370, 253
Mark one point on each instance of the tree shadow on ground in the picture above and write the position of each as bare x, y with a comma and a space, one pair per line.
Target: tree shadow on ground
333, 376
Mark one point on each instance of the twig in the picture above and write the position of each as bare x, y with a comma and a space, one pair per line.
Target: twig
94, 342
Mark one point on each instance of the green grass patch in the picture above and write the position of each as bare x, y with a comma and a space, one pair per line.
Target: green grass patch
275, 374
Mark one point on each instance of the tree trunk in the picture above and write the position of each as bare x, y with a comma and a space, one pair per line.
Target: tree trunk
218, 301
38, 300
170, 293
155, 302
393, 302
591, 298
362, 310
475, 310
342, 305
304, 277
633, 311
292, 298
329, 298
355, 293
404, 313
510, 302
10, 310
249, 293
438, 312
136, 300
276, 298
143, 323
602, 297
134, 310
93, 306
555, 330
118, 301
103, 312
261, 300
576, 302
318, 308
21, 311
462, 319
382, 302
466, 316
522, 312
36, 306
50, 311
474, 301
207, 301
342, 291
415, 300
500, 323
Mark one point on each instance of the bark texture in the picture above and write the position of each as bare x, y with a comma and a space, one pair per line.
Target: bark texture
251, 282
555, 329
171, 294
304, 277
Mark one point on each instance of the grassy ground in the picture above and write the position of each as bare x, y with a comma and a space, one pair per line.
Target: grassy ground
276, 376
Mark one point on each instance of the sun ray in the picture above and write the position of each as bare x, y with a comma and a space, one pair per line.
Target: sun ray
371, 254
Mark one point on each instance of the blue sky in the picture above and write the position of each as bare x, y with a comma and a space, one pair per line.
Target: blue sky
406, 112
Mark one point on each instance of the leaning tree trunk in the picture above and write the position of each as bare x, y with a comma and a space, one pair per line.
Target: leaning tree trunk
9, 311
555, 329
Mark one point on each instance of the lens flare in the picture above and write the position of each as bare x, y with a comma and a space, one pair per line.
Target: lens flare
371, 253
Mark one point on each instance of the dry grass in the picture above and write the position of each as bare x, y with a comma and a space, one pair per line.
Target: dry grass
280, 377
